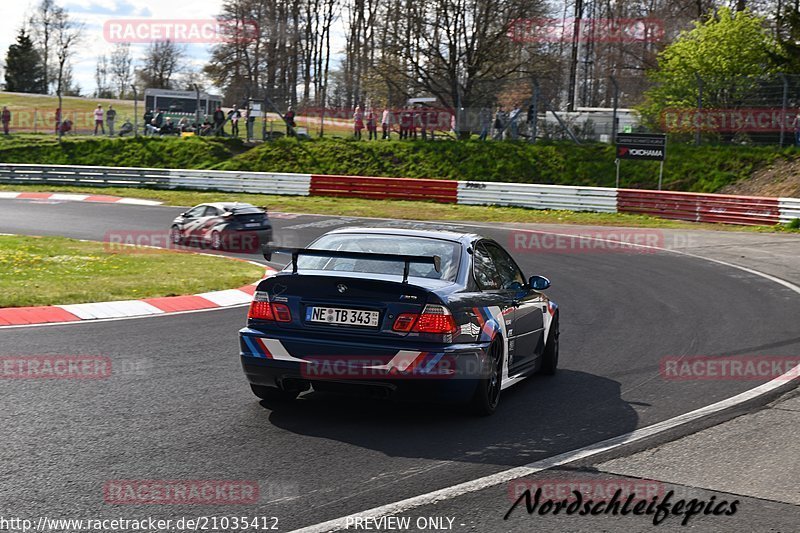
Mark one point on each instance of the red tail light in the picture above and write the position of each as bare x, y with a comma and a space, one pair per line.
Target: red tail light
262, 309
434, 319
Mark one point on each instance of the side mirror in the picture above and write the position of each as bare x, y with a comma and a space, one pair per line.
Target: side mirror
183, 214
539, 283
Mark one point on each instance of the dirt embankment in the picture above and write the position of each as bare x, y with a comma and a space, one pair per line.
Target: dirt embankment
779, 179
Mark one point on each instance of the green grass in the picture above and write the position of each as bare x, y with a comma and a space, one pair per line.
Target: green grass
27, 108
400, 209
55, 270
688, 168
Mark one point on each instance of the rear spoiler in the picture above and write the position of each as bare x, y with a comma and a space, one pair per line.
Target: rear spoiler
434, 260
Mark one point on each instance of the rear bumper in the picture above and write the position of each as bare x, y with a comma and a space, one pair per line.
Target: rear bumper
442, 372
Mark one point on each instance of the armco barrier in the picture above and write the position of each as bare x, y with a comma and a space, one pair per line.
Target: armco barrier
156, 178
790, 209
378, 188
696, 207
538, 196
715, 208
253, 182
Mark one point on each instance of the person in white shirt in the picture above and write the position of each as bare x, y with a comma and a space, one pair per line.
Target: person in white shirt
385, 123
98, 120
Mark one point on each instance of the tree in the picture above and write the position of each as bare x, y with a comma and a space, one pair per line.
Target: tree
66, 33
102, 87
162, 61
24, 73
42, 25
121, 68
724, 51
789, 39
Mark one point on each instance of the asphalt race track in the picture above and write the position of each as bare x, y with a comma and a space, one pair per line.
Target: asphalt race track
179, 408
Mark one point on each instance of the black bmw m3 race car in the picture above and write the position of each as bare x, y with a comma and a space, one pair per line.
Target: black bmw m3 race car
399, 312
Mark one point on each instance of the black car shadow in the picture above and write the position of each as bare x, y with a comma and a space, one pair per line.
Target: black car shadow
537, 418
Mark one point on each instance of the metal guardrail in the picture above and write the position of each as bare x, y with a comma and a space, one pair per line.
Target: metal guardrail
597, 199
249, 182
789, 208
382, 188
255, 182
697, 207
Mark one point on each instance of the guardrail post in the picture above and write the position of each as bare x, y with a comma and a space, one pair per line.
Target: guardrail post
136, 112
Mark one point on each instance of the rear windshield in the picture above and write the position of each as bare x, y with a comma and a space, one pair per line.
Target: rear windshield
247, 211
385, 244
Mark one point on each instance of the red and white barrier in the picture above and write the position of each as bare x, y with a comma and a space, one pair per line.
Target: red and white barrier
695, 207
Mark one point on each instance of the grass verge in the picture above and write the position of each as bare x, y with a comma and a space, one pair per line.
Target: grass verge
56, 270
401, 209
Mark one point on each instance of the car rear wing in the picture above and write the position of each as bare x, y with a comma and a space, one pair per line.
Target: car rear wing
434, 260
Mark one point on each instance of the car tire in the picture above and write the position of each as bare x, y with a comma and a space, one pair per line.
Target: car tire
273, 393
175, 235
550, 355
216, 240
487, 394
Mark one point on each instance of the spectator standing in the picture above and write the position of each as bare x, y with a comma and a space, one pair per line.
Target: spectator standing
111, 116
289, 119
358, 122
405, 123
372, 125
386, 124
531, 118
249, 120
513, 119
219, 121
234, 116
98, 119
5, 118
485, 118
148, 120
499, 123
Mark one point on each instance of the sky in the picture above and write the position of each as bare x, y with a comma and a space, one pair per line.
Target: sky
94, 14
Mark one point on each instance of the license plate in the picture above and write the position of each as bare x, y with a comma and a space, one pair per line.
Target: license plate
252, 224
342, 317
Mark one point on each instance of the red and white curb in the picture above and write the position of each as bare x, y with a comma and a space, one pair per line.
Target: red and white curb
68, 197
51, 314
